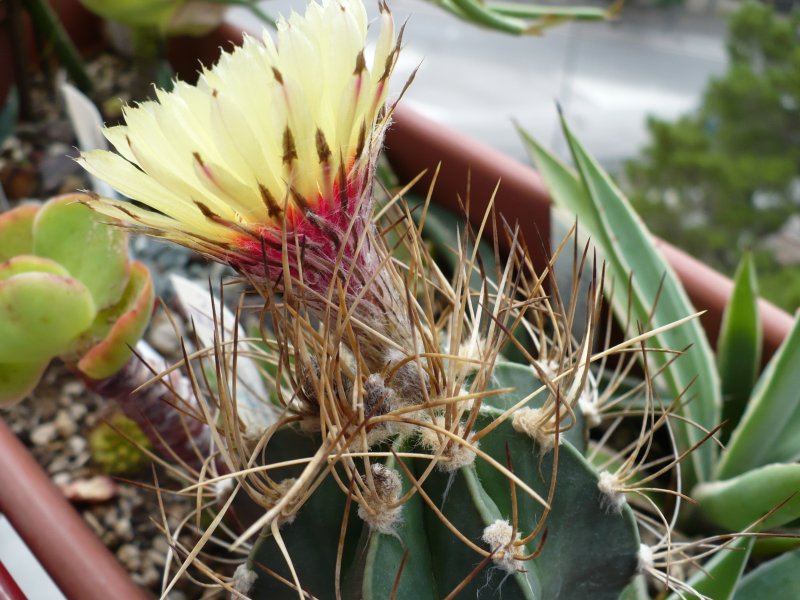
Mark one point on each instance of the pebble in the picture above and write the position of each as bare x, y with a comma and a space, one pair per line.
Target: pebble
64, 424
74, 388
77, 444
77, 410
129, 555
44, 434
163, 337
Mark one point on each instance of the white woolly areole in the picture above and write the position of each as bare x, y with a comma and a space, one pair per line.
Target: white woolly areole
243, 579
645, 558
533, 422
456, 455
548, 367
380, 515
589, 410
222, 488
612, 497
498, 536
470, 355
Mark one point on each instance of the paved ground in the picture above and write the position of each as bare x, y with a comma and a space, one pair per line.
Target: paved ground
607, 76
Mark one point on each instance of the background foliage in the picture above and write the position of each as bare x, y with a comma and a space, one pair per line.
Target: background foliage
725, 177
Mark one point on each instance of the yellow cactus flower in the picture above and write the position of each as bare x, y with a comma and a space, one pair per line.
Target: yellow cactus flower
267, 165
276, 136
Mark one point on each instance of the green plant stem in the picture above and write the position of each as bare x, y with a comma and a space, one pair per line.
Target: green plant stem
49, 28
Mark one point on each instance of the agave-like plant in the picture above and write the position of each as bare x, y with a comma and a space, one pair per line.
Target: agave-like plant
410, 459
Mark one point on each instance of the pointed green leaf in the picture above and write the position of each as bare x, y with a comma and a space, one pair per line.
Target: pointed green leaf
40, 315
769, 431
720, 576
628, 248
739, 346
778, 579
73, 235
739, 502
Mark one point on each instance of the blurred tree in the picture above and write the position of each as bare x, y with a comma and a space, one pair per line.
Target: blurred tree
726, 176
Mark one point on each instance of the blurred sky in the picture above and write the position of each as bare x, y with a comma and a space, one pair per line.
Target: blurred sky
607, 76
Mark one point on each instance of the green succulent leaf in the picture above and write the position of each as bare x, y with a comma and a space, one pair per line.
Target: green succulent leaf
27, 263
778, 578
73, 235
18, 380
739, 502
628, 248
16, 231
769, 431
720, 576
739, 346
40, 315
123, 325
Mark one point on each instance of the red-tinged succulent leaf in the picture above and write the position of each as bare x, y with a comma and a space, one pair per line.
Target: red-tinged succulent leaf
41, 314
125, 323
17, 380
27, 263
75, 236
16, 231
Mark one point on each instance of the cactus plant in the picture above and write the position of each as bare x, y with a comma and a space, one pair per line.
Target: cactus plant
409, 458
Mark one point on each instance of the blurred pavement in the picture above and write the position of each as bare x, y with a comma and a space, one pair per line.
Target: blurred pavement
607, 76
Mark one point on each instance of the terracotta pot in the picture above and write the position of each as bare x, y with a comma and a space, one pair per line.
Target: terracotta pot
70, 552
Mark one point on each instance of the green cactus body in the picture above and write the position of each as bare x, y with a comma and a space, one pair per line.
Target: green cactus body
588, 547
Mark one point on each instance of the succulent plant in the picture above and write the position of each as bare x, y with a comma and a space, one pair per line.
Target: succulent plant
69, 290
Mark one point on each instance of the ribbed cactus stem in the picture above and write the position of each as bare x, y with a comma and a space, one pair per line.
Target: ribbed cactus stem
162, 410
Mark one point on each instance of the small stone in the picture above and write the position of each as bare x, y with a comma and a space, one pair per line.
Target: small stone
44, 434
128, 555
146, 578
61, 479
77, 410
76, 444
156, 557
123, 529
64, 424
99, 488
163, 336
74, 388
